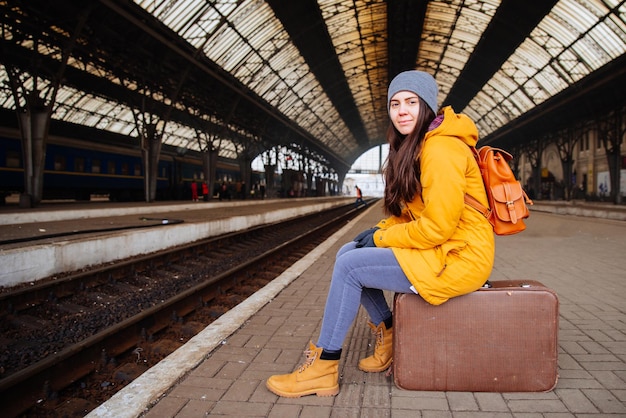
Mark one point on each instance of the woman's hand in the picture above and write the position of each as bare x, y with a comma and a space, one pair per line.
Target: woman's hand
366, 238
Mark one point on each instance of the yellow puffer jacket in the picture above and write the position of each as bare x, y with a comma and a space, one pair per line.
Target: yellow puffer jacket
445, 247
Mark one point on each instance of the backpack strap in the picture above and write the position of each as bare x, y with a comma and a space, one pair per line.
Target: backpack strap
486, 212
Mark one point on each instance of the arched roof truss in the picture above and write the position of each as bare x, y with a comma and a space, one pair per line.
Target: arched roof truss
314, 72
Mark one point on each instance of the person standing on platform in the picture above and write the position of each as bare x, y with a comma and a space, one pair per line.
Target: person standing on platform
205, 191
359, 197
432, 243
194, 191
223, 194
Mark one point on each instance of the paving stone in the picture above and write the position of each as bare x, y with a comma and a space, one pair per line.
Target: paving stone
576, 401
462, 401
195, 408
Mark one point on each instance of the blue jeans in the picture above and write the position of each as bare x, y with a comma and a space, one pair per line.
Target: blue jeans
359, 277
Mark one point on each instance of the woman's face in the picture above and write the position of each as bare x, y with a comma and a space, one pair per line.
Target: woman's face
403, 110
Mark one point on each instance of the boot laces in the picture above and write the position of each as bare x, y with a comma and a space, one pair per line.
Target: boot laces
311, 355
380, 340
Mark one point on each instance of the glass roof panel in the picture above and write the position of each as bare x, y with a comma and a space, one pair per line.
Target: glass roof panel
85, 109
6, 96
530, 56
291, 105
613, 35
192, 19
178, 17
451, 31
568, 44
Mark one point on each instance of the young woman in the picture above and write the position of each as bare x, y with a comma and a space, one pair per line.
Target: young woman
431, 244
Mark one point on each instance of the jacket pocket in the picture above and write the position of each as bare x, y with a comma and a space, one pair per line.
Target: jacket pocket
450, 252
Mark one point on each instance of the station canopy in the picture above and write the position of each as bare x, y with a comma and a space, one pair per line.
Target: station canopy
252, 74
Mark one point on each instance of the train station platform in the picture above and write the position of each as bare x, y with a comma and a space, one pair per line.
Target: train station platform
222, 371
65, 237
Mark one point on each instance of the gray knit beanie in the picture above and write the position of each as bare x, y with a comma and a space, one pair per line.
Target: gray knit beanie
418, 82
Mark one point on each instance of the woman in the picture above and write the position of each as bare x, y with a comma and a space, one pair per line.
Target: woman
431, 244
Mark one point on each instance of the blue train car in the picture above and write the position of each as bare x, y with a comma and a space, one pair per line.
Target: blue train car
77, 169
11, 168
77, 172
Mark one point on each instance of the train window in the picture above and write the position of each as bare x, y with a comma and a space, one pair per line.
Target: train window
59, 163
125, 170
13, 159
95, 166
79, 164
138, 169
111, 167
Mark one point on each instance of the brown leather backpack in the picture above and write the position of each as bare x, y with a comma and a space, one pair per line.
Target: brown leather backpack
507, 199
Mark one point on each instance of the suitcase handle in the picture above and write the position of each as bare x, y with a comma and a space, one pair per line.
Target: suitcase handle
488, 285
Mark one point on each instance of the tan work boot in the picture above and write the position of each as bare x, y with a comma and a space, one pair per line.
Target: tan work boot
383, 351
315, 376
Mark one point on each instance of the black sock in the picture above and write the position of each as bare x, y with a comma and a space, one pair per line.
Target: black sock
388, 322
330, 354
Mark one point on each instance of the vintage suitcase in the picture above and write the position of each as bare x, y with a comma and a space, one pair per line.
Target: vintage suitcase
498, 339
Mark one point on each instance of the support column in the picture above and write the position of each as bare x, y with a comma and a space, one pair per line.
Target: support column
33, 125
270, 169
245, 167
209, 168
150, 152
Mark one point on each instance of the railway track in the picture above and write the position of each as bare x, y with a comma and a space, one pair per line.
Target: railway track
69, 344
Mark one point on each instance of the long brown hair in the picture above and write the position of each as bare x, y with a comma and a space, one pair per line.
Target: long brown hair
401, 172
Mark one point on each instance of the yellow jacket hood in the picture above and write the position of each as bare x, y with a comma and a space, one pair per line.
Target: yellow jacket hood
454, 125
